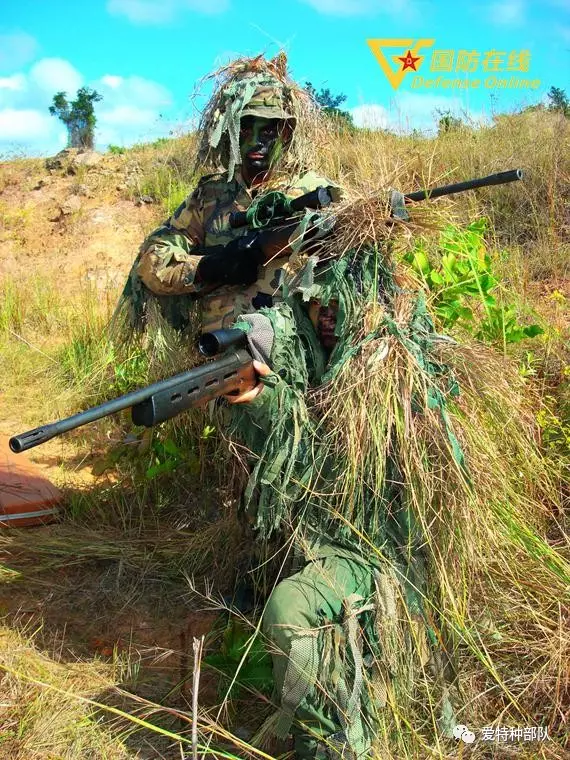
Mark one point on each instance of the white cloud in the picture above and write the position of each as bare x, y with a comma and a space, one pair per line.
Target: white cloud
139, 90
36, 88
141, 11
130, 111
371, 116
507, 12
15, 82
128, 116
112, 81
24, 125
52, 75
16, 50
410, 110
162, 11
403, 9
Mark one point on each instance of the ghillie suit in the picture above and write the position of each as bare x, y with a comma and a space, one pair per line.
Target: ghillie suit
395, 494
162, 284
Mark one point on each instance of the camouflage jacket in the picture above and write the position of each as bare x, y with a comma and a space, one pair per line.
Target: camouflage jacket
166, 266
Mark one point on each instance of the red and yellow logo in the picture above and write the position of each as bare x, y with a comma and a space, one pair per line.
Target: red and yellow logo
460, 64
408, 60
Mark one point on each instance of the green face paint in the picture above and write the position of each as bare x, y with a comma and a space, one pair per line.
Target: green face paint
261, 144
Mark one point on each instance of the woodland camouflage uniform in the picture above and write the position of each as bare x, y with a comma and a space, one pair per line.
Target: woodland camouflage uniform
165, 269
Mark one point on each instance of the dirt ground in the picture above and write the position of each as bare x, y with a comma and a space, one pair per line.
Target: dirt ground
74, 226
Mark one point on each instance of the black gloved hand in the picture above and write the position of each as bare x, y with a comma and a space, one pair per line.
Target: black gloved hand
236, 263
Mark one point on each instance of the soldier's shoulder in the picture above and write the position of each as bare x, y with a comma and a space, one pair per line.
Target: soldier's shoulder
210, 189
211, 185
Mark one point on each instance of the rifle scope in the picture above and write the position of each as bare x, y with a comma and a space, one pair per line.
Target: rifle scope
218, 341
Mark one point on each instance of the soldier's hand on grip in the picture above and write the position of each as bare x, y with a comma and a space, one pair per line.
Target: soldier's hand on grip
262, 370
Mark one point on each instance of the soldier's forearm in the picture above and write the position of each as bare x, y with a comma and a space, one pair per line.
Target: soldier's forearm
164, 275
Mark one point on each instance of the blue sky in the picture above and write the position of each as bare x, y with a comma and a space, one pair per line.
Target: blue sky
146, 56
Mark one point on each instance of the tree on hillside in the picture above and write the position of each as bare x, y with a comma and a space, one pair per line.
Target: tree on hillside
78, 116
330, 104
558, 101
448, 122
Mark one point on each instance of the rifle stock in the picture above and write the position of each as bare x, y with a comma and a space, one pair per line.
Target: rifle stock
232, 372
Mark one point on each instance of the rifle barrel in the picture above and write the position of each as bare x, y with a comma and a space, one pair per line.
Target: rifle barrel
151, 405
35, 437
493, 179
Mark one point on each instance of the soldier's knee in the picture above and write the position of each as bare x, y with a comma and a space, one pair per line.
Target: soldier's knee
289, 607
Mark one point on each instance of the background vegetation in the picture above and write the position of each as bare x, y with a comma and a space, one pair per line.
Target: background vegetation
78, 116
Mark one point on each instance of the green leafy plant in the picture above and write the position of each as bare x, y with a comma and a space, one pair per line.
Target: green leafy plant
242, 663
208, 432
160, 142
448, 122
464, 287
528, 365
330, 105
554, 419
501, 326
130, 373
558, 101
116, 150
167, 456
77, 115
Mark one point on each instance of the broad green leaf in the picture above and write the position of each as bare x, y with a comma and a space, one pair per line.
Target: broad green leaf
533, 330
170, 447
421, 262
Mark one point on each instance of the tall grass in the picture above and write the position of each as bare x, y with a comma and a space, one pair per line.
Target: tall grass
164, 171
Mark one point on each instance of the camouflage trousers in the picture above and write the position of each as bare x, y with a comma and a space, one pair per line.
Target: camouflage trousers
312, 621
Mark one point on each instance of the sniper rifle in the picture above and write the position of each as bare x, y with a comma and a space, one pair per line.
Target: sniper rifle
271, 219
232, 372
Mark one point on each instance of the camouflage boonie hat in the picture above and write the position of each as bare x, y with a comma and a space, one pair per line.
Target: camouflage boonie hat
270, 102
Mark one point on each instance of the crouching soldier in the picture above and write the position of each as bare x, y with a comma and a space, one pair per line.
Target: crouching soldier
346, 625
